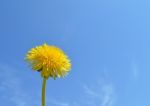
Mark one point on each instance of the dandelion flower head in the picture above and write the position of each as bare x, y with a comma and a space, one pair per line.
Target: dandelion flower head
50, 61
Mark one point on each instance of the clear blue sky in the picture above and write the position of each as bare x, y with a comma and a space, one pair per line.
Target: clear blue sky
108, 42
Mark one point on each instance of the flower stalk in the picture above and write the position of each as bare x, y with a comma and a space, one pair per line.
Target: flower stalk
43, 91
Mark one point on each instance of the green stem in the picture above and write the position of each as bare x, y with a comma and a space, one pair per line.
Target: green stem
43, 91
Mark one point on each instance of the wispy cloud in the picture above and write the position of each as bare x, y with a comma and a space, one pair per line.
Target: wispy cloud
103, 94
57, 102
10, 87
90, 92
108, 96
135, 70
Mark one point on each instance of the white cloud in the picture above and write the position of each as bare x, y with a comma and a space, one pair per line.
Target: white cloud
89, 91
103, 94
135, 70
57, 103
108, 96
10, 87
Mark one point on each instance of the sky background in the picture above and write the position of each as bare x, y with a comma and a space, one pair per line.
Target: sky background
108, 42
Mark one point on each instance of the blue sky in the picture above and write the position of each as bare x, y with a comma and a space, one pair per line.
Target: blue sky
108, 42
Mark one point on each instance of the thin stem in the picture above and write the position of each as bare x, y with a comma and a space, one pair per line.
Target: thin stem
43, 91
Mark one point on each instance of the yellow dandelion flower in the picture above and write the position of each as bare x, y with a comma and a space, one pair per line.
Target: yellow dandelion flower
51, 61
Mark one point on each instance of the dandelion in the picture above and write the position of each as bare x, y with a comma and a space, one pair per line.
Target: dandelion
50, 61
